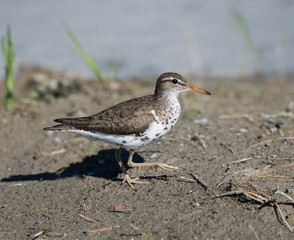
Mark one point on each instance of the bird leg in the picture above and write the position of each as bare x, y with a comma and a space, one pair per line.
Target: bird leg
117, 157
156, 164
126, 176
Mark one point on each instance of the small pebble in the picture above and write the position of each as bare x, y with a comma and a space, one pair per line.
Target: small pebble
196, 204
201, 121
243, 130
57, 140
49, 133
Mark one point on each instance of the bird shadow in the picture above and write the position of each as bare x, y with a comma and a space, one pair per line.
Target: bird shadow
101, 165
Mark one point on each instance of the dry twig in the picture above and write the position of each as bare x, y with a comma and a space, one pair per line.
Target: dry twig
230, 193
249, 195
200, 181
246, 191
227, 147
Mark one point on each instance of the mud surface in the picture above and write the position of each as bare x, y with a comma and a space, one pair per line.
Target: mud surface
241, 139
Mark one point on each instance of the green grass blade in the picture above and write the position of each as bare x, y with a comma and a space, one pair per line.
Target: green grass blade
244, 30
8, 56
4, 49
86, 57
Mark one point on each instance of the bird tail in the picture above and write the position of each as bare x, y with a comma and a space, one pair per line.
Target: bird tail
68, 123
59, 127
63, 126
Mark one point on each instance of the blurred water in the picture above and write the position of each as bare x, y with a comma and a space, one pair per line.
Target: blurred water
149, 37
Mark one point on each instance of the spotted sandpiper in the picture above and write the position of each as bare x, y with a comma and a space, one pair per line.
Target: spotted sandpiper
134, 123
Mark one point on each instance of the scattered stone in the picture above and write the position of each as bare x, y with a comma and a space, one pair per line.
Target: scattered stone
201, 121
45, 88
243, 130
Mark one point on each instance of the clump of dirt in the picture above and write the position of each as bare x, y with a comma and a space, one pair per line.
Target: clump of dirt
234, 150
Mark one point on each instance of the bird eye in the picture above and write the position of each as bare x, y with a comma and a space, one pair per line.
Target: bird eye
175, 81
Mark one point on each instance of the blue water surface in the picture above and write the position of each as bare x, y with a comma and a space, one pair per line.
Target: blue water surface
148, 37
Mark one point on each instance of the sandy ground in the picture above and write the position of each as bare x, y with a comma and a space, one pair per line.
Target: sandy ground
239, 141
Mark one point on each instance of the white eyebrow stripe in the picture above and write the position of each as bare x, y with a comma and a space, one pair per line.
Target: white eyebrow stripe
171, 78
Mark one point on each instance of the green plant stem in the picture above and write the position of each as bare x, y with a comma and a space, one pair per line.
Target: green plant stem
8, 56
88, 60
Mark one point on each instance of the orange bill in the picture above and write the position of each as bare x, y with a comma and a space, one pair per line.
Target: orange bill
199, 90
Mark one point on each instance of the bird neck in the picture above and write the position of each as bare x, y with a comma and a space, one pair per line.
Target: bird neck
167, 96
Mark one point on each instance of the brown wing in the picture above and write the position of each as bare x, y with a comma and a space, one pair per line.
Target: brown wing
130, 117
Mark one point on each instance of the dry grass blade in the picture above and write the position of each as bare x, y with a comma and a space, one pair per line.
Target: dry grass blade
102, 229
47, 232
201, 141
187, 179
254, 232
57, 152
38, 234
283, 219
247, 191
231, 193
240, 161
285, 195
88, 219
257, 197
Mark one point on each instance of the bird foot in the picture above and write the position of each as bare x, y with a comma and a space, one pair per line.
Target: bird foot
166, 167
132, 181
